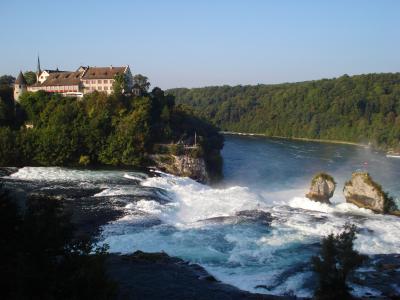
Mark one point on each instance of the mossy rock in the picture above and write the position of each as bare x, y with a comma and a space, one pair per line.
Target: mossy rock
364, 192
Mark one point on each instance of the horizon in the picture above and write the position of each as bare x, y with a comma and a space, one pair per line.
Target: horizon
193, 45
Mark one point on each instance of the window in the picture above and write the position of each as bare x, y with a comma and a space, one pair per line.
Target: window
99, 81
105, 81
100, 88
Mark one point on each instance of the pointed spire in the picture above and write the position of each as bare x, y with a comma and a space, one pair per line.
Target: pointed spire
20, 79
38, 70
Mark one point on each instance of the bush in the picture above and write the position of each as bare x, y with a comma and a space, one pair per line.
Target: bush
335, 262
84, 160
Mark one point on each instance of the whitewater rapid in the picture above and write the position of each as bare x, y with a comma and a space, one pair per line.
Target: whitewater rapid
197, 223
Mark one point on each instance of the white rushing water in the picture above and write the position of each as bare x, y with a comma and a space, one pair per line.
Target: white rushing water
199, 223
245, 255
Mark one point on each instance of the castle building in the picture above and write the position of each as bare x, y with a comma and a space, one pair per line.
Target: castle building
20, 86
77, 83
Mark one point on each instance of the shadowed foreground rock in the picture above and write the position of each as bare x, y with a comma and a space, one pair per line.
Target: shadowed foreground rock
322, 188
362, 191
157, 276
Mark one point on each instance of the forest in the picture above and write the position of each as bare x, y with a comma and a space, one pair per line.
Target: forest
362, 108
97, 130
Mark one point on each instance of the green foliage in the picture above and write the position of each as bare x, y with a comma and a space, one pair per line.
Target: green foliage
364, 108
7, 80
114, 130
119, 84
142, 82
335, 262
324, 176
30, 77
41, 258
7, 107
84, 160
8, 152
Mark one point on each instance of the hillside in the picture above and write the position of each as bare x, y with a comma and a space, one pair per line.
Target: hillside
362, 108
45, 129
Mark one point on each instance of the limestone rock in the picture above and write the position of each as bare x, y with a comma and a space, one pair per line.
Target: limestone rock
182, 165
322, 188
362, 191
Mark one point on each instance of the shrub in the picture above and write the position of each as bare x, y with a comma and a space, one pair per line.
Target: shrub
336, 260
84, 160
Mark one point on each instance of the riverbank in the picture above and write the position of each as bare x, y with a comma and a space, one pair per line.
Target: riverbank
296, 138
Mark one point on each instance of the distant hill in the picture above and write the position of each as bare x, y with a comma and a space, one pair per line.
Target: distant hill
361, 108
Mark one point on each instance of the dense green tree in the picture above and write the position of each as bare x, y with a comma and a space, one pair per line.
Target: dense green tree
30, 77
7, 80
142, 82
335, 262
119, 84
362, 108
100, 129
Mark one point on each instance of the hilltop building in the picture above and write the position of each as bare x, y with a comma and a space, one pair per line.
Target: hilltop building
76, 83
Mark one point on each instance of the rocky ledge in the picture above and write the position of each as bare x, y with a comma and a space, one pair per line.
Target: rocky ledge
363, 191
157, 276
182, 165
322, 188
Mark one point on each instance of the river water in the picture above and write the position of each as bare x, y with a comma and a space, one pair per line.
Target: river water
203, 224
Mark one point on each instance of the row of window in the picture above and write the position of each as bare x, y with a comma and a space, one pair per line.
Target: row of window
100, 88
97, 81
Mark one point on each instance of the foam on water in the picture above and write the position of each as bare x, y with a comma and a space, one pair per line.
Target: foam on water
248, 255
72, 175
169, 213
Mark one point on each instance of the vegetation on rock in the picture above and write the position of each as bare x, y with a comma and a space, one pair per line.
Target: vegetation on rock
362, 109
387, 206
335, 262
322, 188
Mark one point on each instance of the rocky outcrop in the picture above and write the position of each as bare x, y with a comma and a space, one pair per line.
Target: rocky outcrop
362, 191
182, 165
322, 188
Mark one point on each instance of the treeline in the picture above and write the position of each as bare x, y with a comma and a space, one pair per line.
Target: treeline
99, 129
362, 108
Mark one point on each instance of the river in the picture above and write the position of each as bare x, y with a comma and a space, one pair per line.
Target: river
202, 224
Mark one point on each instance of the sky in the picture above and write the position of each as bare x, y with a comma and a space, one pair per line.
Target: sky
190, 43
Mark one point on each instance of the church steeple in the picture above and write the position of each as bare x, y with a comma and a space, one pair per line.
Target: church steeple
38, 70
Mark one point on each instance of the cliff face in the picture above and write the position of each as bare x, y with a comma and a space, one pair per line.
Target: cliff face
182, 165
362, 191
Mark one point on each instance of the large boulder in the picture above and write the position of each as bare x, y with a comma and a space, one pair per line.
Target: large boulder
322, 188
362, 191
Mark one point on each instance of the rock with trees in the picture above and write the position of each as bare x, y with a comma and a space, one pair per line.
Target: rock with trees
322, 188
363, 191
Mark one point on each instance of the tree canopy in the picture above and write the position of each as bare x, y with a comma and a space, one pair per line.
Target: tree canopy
362, 108
100, 129
30, 77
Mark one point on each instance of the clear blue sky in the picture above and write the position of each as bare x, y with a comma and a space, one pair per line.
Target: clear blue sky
206, 42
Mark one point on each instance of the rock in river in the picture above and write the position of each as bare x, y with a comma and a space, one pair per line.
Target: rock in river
322, 188
362, 191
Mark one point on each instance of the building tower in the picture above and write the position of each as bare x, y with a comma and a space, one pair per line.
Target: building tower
38, 70
20, 86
